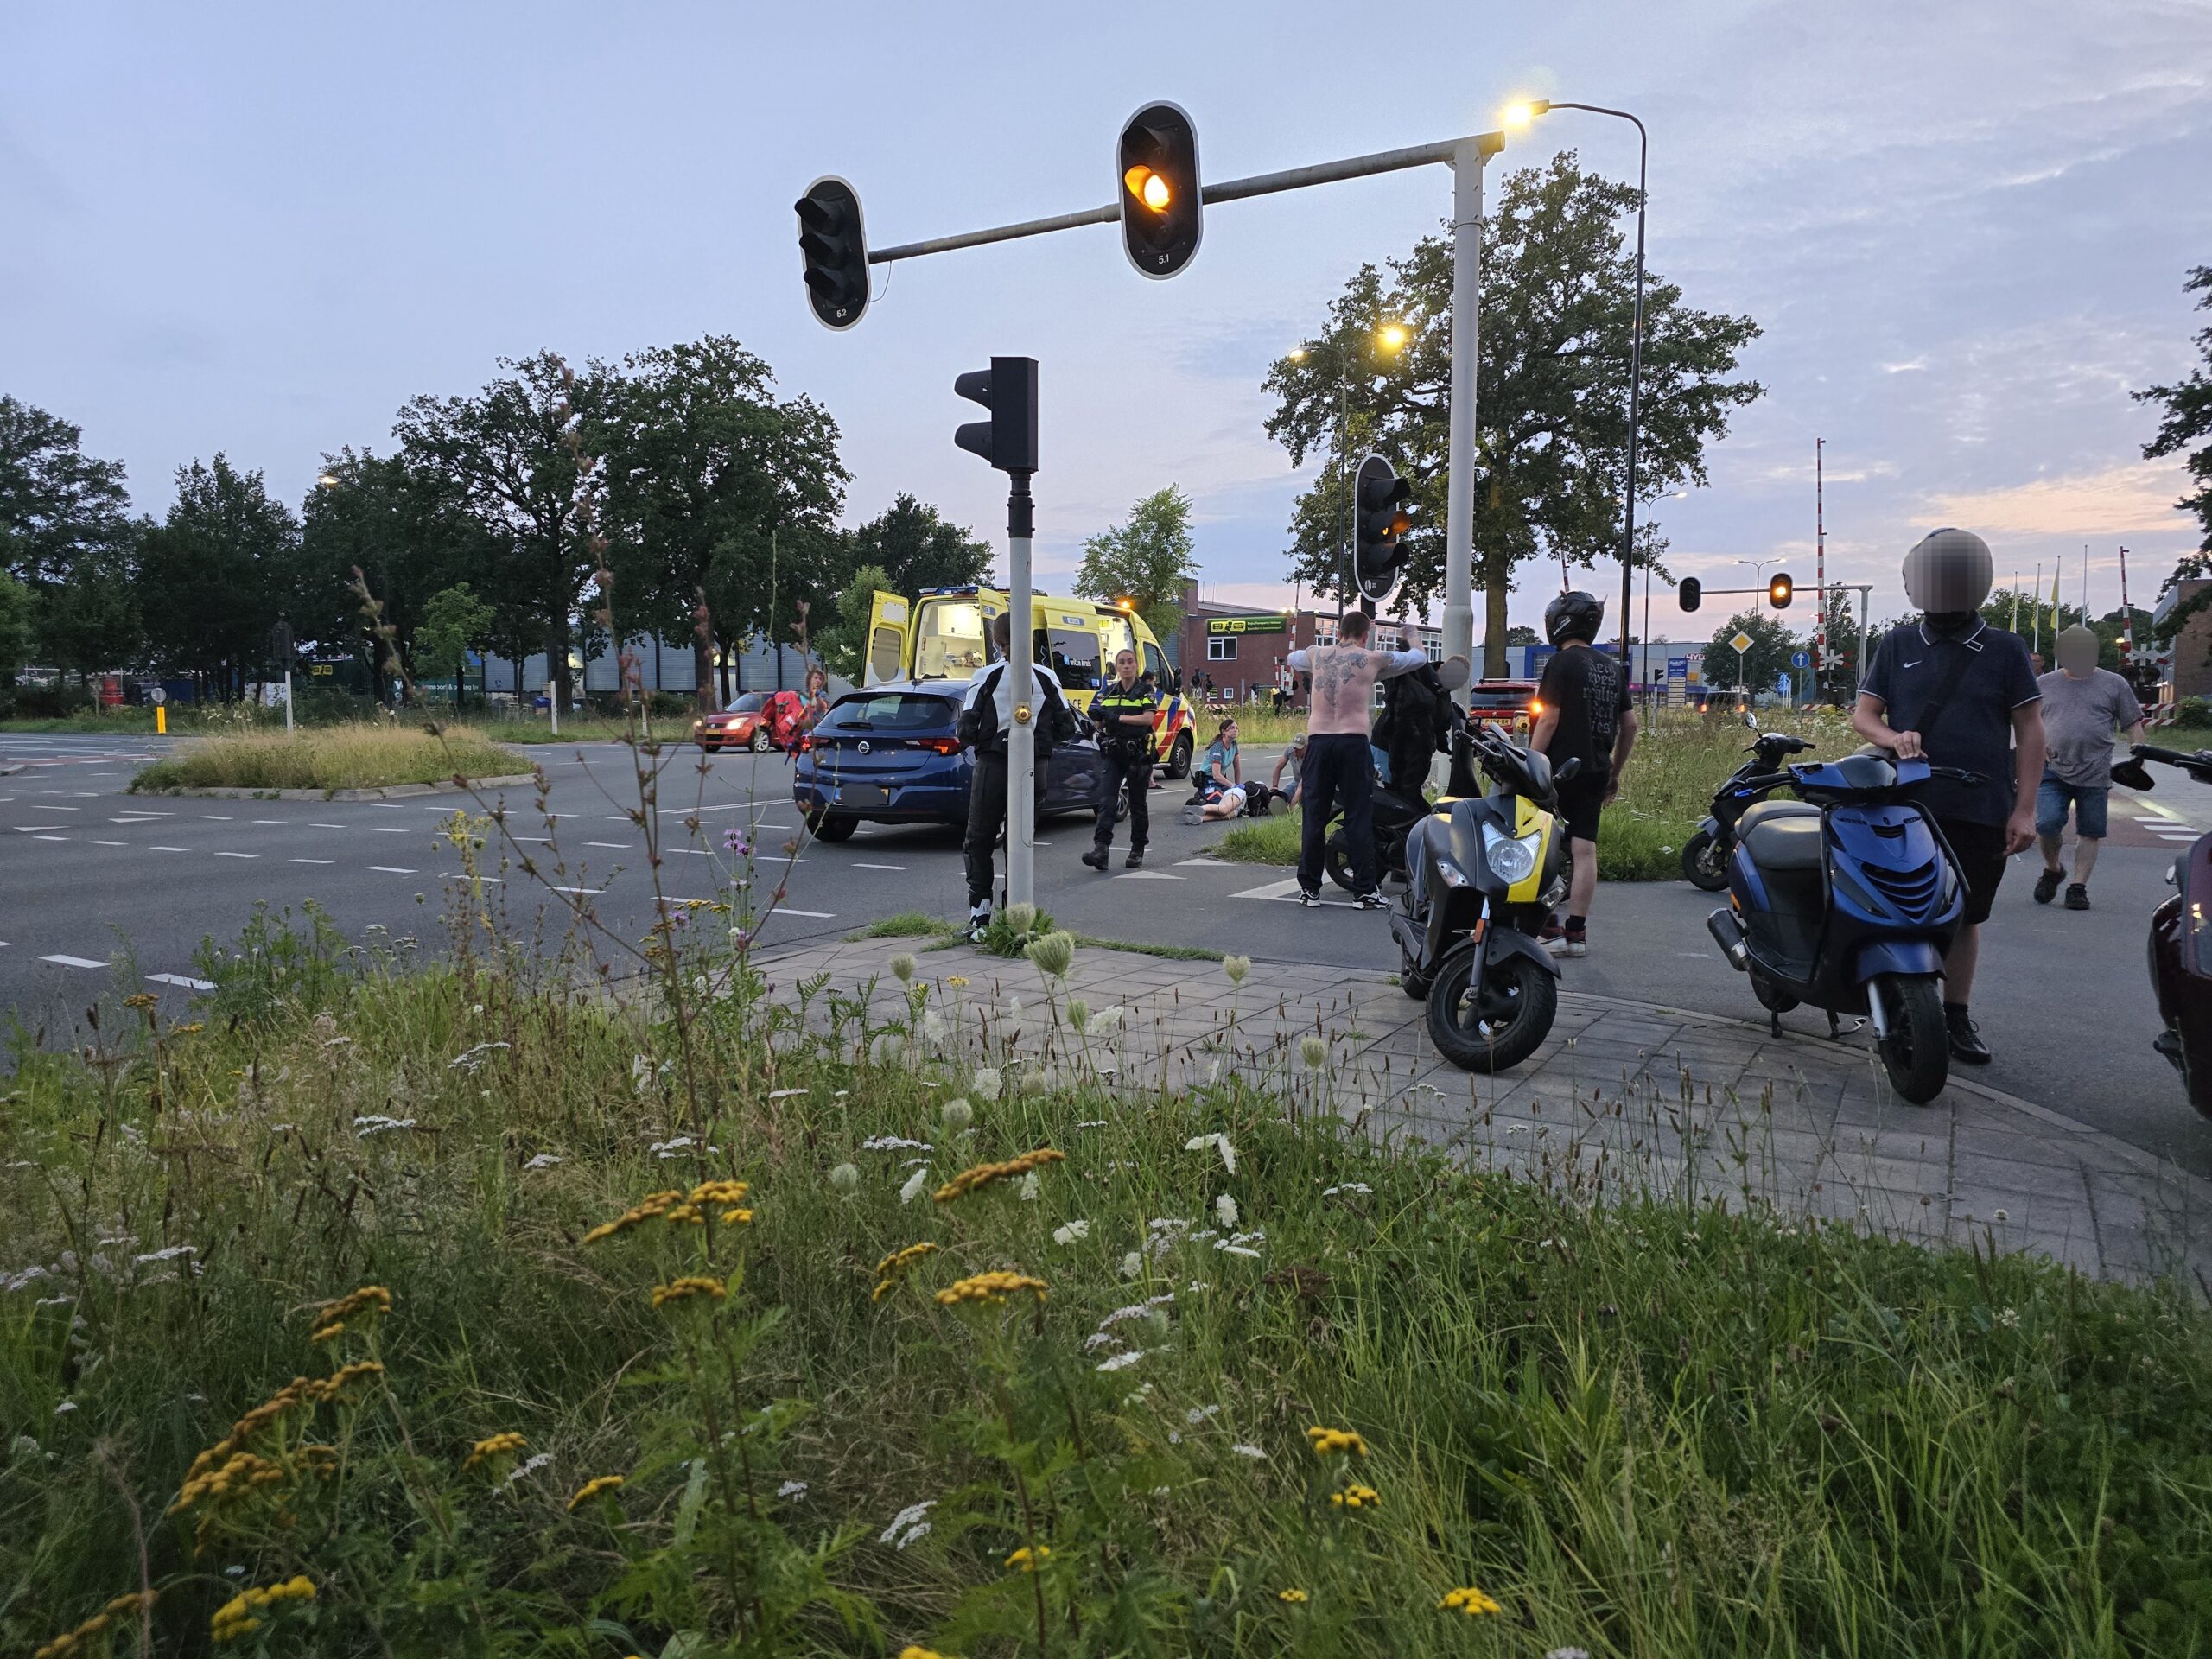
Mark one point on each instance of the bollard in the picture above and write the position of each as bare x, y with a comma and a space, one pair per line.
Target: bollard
160, 720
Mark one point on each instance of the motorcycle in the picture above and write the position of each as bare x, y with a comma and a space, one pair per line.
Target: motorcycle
2181, 956
1847, 898
1706, 855
1494, 866
1394, 814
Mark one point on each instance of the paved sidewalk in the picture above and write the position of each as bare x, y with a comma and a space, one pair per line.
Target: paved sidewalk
1622, 1096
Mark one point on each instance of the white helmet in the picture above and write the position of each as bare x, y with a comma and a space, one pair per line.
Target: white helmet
1948, 570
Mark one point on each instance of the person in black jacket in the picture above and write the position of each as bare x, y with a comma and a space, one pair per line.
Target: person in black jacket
1124, 711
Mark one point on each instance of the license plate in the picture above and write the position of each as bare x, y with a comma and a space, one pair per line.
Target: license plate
862, 796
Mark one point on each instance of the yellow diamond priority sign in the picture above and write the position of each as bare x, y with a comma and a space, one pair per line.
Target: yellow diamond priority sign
1743, 641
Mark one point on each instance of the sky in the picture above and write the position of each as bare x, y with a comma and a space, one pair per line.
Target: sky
1963, 228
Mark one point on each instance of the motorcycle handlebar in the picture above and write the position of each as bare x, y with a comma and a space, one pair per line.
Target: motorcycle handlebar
1959, 774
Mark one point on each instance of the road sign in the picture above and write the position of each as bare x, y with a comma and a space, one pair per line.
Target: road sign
1678, 667
1782, 683
157, 696
1801, 659
1743, 642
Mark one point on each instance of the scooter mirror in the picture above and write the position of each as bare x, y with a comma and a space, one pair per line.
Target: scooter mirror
1749, 723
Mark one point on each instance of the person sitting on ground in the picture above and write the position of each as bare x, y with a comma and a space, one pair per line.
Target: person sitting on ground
1223, 762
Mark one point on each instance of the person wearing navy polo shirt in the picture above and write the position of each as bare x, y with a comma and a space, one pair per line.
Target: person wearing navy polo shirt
1960, 693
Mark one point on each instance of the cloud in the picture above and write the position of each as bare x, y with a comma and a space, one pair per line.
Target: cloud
2121, 500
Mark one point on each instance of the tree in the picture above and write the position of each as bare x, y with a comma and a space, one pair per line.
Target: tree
92, 621
2032, 616
453, 623
1146, 560
715, 487
1760, 667
57, 504
914, 548
2188, 414
15, 626
512, 456
214, 576
1521, 636
1552, 433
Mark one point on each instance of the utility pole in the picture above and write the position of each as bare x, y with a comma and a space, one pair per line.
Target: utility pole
1467, 157
1819, 568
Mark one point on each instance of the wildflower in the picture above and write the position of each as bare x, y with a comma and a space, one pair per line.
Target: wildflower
1314, 1051
1224, 1208
914, 1185
1219, 1144
1356, 1496
902, 967
236, 1617
734, 842
1021, 918
983, 1175
1053, 954
987, 1083
1295, 1598
652, 1207
1132, 1264
1468, 1600
1079, 1013
527, 1467
495, 1445
1327, 1442
369, 1299
1029, 1188
678, 1290
957, 1114
993, 1287
71, 1640
894, 1267
593, 1488
912, 1651
845, 1178
142, 1000
894, 1143
957, 981
1027, 1559
1072, 1233
1242, 1450
1566, 1653
324, 1333
909, 1526
1120, 1362
1236, 968
2009, 1319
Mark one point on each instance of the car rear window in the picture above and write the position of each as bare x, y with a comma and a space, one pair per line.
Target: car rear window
751, 703
891, 711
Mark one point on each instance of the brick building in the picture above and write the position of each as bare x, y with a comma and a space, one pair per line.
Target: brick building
1239, 651
2187, 670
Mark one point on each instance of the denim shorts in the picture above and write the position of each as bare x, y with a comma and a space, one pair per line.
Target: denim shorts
2089, 801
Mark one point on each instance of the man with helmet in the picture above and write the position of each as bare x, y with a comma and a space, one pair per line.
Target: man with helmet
1585, 715
1960, 693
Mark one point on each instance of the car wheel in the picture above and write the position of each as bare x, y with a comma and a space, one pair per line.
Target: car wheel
762, 741
1179, 757
825, 826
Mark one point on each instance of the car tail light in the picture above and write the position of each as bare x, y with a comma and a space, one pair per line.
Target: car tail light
938, 744
806, 744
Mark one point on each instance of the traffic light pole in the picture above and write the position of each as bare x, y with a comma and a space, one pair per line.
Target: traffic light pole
1022, 739
1467, 157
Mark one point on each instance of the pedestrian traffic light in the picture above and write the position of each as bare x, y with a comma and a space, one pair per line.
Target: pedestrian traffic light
1778, 589
834, 245
1156, 172
1383, 512
1691, 592
1008, 390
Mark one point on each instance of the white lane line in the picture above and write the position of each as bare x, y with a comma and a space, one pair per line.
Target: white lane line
49, 837
818, 915
33, 828
110, 843
149, 812
1149, 875
390, 869
185, 981
586, 892
879, 866
169, 849
326, 826
73, 961
307, 861
136, 817
272, 820
222, 854
688, 852
216, 818
61, 808
619, 846
455, 875
386, 830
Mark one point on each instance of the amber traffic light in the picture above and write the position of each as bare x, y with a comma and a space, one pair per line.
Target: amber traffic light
1778, 589
1157, 167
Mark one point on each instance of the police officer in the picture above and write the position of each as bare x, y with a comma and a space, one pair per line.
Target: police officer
1124, 709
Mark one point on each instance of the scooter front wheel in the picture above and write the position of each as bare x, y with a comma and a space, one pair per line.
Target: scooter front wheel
1918, 1052
1704, 865
1495, 1025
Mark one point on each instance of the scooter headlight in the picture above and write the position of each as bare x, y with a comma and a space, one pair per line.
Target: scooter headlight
1513, 857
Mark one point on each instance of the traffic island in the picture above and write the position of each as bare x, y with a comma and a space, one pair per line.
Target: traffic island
362, 761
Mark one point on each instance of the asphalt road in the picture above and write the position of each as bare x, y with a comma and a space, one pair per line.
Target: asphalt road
90, 875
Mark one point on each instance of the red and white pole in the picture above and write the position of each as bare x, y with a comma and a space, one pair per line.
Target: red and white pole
1820, 572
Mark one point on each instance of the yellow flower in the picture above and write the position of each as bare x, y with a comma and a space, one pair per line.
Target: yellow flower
650, 1207
496, 1445
368, 1299
894, 1267
1296, 1597
70, 1641
676, 1290
1356, 1496
737, 1217
1027, 1559
1327, 1442
719, 1193
324, 1333
1468, 1600
912, 1651
983, 1175
142, 1000
187, 1031
592, 1488
994, 1286
235, 1617
957, 981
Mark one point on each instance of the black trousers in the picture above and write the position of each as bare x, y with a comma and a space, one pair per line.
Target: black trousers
987, 817
1339, 772
1136, 770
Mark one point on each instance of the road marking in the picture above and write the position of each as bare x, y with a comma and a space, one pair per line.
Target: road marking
110, 843
169, 849
307, 861
688, 852
586, 892
1202, 863
1287, 892
184, 981
1149, 875
818, 915
454, 876
61, 808
33, 828
386, 830
73, 961
619, 846
215, 817
272, 820
879, 866
390, 869
221, 854
542, 841
49, 837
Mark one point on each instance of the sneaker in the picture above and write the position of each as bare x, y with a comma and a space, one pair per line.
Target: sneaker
1134, 862
1966, 1042
1373, 900
1310, 900
1095, 858
979, 923
2046, 886
2077, 897
1193, 815
1575, 942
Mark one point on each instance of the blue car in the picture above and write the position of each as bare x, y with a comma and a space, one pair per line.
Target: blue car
889, 755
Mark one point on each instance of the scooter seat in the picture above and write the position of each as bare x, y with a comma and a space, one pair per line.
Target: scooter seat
1761, 812
1785, 841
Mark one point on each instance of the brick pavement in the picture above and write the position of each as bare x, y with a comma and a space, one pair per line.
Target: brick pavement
1622, 1096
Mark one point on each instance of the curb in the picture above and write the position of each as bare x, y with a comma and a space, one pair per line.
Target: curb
386, 792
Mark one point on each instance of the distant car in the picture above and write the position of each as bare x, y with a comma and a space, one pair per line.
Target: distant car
889, 755
751, 722
1511, 704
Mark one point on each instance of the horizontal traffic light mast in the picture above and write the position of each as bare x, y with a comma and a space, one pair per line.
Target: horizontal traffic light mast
1779, 590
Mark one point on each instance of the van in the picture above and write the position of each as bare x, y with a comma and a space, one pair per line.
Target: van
941, 635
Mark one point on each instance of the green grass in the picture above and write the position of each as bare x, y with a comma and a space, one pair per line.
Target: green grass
1271, 840
1645, 1428
130, 720
906, 924
1169, 952
363, 755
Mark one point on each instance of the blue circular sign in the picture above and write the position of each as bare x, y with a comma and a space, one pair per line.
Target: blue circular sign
1801, 659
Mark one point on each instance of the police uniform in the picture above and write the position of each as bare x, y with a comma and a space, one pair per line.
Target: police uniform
1127, 753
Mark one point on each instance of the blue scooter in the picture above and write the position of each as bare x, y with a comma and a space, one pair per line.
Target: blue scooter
1847, 900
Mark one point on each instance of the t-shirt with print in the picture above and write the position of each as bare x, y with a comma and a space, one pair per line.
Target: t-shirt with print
1974, 728
1590, 694
2079, 717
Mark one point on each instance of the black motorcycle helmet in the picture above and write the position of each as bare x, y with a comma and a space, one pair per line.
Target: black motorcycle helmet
1574, 615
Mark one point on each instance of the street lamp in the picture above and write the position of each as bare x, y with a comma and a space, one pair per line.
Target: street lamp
1521, 114
1679, 495
1758, 576
1389, 338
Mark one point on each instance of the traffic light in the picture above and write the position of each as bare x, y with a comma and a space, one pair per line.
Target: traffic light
1778, 589
1383, 512
834, 246
1008, 390
1156, 173
1691, 592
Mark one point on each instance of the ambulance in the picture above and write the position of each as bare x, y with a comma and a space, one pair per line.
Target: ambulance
941, 633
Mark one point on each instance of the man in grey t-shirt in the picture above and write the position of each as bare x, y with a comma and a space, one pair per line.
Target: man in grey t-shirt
2082, 705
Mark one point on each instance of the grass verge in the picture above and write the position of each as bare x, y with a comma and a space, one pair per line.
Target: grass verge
441, 1293
906, 924
357, 756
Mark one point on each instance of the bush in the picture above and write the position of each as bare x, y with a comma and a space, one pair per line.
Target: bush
359, 756
56, 701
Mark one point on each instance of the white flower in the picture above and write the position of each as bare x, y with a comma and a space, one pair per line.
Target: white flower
1136, 1310
641, 1073
957, 1114
1349, 1186
168, 1254
1227, 1248
894, 1143
468, 1060
909, 1526
1197, 1414
1225, 1207
1314, 1051
791, 1489
1120, 1362
915, 1183
1072, 1232
1251, 1452
1013, 1007
786, 1094
528, 1466
377, 1124
933, 1025
1236, 968
1219, 1144
1579, 1653
68, 1405
1028, 1189
846, 1178
543, 1160
2009, 1319
1132, 1265
986, 1083
1999, 1215
1107, 1019
1092, 1123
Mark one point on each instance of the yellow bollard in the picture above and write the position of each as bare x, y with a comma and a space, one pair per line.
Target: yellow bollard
161, 720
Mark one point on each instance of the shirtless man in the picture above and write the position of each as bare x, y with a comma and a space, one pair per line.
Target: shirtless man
1337, 769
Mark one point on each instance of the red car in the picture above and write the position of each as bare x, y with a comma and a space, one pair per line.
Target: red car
758, 720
